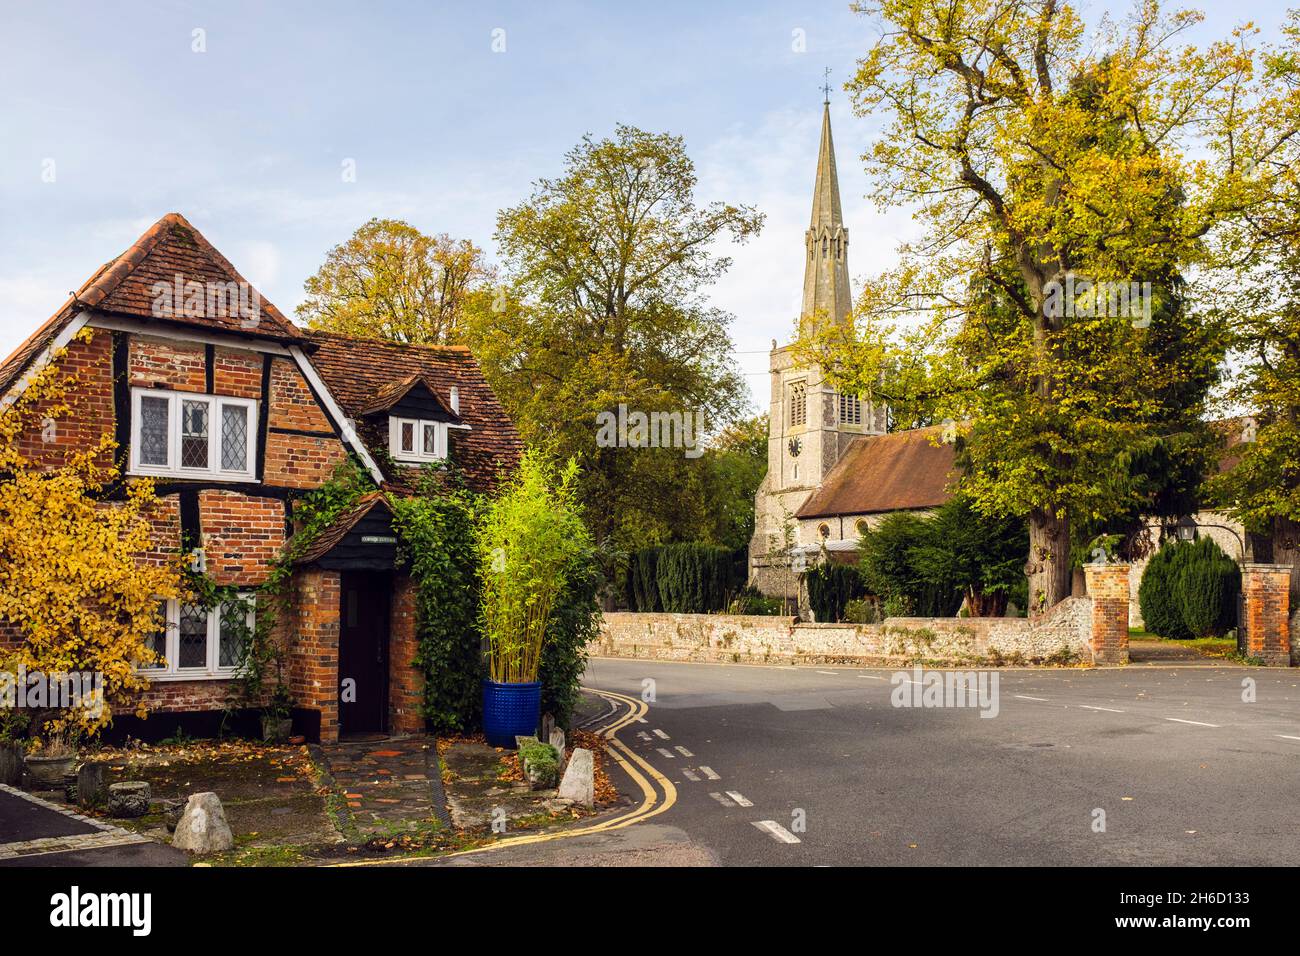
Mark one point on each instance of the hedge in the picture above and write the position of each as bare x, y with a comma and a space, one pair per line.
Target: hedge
1190, 589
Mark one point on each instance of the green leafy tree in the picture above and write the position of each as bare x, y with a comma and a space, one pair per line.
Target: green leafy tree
391, 281
1036, 155
982, 556
605, 271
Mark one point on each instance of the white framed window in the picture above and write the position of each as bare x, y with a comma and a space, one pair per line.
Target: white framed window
417, 439
201, 643
190, 435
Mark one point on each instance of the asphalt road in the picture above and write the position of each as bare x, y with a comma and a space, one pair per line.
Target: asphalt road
1171, 761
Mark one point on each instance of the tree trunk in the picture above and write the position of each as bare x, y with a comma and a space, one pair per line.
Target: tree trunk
981, 604
1048, 568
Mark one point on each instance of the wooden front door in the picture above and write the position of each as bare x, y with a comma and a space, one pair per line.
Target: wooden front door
363, 651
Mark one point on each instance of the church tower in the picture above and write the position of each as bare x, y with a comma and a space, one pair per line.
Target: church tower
810, 425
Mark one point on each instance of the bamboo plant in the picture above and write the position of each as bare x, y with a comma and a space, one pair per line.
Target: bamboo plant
526, 542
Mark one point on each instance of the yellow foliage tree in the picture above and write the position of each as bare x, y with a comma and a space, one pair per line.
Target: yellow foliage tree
74, 581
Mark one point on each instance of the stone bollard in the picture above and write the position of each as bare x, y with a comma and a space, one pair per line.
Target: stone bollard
202, 827
579, 782
90, 784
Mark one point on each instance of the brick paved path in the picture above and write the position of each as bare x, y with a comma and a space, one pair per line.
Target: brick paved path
389, 784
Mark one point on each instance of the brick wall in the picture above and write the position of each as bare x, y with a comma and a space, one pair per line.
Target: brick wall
292, 404
1266, 593
300, 461
166, 363
47, 439
1108, 588
236, 372
314, 653
405, 681
242, 535
189, 695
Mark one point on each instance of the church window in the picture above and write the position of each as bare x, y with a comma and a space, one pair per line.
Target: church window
862, 526
823, 531
850, 410
798, 403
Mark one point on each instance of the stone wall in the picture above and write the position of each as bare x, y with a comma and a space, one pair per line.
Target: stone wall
1062, 633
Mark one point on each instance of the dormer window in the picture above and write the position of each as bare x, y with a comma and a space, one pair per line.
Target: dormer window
189, 435
417, 439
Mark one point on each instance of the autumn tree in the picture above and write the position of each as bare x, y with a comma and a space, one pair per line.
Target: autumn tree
391, 281
1258, 291
1052, 169
602, 305
74, 583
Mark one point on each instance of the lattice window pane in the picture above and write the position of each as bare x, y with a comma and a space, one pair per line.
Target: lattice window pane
193, 644
430, 438
157, 641
408, 436
153, 430
194, 434
234, 437
233, 633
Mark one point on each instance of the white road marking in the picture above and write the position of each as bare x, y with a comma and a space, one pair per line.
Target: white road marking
1024, 697
739, 798
1194, 723
872, 677
722, 800
709, 772
661, 735
776, 831
643, 735
830, 673
684, 752
1286, 737
1109, 710
690, 775
667, 753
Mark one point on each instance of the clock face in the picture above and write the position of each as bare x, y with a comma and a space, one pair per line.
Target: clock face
795, 447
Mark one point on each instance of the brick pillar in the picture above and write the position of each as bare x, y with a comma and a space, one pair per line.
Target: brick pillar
405, 681
1108, 590
1266, 593
314, 651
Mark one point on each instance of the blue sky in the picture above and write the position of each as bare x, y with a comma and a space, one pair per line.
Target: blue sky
247, 139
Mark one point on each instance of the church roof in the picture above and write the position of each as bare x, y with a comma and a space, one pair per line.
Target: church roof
901, 471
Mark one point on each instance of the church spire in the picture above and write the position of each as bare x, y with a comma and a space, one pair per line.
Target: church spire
826, 264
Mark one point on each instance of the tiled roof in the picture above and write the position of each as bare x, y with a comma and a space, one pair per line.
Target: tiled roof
895, 472
170, 248
358, 370
324, 542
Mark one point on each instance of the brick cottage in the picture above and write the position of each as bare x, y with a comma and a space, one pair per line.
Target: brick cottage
235, 413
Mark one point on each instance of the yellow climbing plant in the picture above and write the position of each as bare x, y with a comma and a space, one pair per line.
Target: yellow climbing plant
79, 582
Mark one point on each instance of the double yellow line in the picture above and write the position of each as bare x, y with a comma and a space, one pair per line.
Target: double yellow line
657, 791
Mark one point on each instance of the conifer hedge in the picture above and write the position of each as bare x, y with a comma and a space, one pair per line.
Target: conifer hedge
1190, 589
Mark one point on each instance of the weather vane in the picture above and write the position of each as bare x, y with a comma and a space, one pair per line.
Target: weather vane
826, 88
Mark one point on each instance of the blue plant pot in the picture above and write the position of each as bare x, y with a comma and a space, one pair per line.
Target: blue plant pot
510, 710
